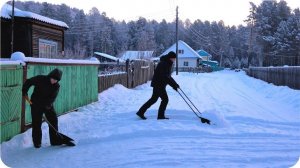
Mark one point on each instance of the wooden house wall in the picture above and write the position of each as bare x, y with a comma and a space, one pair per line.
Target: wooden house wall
5, 38
27, 33
42, 32
22, 37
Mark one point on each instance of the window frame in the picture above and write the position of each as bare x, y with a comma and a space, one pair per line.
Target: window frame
186, 63
47, 48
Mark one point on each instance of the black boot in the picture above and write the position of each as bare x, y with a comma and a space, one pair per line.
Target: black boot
162, 118
56, 143
141, 116
37, 145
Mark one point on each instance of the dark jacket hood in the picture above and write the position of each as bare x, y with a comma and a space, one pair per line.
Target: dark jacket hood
163, 58
55, 74
171, 54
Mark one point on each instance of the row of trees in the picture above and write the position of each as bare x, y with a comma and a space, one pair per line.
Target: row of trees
271, 37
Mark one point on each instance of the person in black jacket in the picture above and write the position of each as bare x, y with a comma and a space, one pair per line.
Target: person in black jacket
161, 78
46, 88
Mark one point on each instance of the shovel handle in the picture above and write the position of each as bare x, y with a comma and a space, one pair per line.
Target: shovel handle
28, 100
190, 100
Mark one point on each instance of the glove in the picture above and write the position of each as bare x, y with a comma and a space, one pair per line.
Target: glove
176, 86
27, 99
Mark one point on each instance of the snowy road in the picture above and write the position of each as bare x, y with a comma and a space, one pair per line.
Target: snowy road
257, 125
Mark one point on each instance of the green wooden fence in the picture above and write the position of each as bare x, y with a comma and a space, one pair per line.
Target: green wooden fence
78, 86
11, 100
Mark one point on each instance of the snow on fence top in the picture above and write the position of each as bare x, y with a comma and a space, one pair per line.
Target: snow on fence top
61, 61
19, 58
6, 12
9, 62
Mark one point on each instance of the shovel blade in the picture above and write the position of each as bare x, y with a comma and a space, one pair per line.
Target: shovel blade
64, 138
204, 120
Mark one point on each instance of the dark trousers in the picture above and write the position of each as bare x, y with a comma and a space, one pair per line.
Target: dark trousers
37, 115
157, 93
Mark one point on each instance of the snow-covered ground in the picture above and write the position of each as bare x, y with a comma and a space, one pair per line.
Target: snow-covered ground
257, 125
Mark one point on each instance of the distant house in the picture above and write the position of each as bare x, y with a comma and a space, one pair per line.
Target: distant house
102, 57
187, 57
34, 35
207, 61
133, 55
204, 55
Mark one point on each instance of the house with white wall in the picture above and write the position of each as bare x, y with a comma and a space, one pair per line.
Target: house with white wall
187, 57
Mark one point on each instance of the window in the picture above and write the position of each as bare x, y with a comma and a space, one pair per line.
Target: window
181, 51
185, 63
47, 48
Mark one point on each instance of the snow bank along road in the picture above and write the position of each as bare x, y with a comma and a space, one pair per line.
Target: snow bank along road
257, 125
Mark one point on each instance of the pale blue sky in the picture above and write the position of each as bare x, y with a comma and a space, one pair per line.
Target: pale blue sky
232, 12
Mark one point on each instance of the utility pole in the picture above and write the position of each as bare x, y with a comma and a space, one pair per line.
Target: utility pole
177, 40
12, 26
250, 43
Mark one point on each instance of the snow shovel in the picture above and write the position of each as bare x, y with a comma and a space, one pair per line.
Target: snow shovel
63, 138
203, 120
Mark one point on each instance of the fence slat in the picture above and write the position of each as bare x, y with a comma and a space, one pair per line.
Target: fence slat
137, 73
11, 100
280, 76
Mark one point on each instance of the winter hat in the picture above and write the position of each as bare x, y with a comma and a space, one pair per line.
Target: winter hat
171, 54
55, 74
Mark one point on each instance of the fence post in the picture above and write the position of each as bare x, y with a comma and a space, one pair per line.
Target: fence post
132, 73
23, 128
127, 71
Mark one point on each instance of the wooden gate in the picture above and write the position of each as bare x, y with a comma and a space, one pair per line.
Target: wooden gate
11, 100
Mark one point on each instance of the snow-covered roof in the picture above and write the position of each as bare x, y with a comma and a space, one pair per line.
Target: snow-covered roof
109, 56
203, 53
132, 55
188, 51
6, 12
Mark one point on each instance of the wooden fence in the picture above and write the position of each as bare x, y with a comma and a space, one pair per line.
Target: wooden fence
136, 73
11, 100
109, 80
195, 69
79, 87
281, 76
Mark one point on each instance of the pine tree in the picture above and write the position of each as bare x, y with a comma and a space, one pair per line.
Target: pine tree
48, 10
287, 40
120, 37
78, 32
